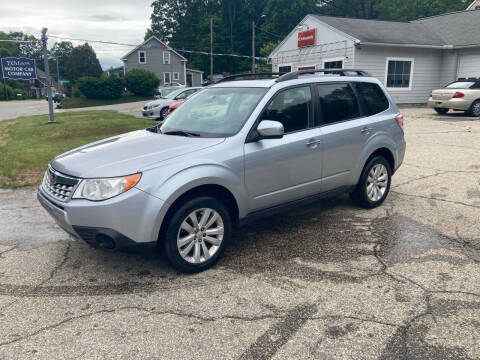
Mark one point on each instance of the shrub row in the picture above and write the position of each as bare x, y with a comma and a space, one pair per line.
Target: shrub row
105, 87
138, 81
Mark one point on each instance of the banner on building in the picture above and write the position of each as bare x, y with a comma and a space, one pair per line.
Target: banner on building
19, 68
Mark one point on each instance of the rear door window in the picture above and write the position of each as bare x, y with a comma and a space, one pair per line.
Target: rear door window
372, 97
338, 102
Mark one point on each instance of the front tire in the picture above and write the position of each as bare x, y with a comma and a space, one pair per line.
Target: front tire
475, 108
163, 113
374, 184
441, 111
197, 234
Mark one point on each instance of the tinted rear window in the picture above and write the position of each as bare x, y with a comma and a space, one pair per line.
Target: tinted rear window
338, 102
372, 97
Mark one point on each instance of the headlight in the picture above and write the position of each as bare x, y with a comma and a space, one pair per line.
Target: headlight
155, 106
103, 189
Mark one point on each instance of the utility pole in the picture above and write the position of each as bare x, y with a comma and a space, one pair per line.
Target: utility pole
253, 46
254, 24
211, 50
47, 72
58, 74
4, 83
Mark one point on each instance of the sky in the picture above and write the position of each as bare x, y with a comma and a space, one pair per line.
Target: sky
122, 21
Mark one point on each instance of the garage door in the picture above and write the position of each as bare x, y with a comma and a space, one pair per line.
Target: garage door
469, 66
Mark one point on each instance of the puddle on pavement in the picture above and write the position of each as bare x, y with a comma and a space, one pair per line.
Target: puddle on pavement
322, 241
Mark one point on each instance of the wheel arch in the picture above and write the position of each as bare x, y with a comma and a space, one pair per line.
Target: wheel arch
216, 191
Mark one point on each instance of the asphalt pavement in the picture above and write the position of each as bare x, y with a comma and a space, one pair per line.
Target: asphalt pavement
14, 109
328, 281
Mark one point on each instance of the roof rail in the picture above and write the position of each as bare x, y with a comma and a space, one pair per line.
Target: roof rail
341, 72
247, 75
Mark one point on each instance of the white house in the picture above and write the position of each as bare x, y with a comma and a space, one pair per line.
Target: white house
411, 58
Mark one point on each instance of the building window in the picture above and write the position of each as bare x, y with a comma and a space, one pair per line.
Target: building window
166, 57
142, 57
176, 76
166, 78
333, 64
399, 73
284, 68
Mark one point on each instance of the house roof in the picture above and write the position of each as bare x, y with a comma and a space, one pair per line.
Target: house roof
474, 5
192, 70
456, 29
148, 40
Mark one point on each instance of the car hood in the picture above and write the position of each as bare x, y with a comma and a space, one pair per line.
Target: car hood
127, 154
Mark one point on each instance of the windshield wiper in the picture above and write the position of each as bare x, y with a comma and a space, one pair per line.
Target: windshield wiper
181, 133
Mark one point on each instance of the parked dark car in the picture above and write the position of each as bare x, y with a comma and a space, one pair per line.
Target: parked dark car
57, 97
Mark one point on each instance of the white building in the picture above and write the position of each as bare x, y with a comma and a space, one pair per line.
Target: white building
411, 58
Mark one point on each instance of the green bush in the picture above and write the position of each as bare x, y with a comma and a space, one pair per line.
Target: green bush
22, 93
88, 85
141, 82
108, 87
10, 92
76, 92
111, 87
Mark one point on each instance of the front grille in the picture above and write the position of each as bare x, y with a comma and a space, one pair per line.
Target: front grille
58, 185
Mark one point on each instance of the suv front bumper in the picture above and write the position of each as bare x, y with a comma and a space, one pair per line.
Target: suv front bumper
133, 217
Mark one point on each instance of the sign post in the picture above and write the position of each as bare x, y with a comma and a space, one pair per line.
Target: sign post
47, 72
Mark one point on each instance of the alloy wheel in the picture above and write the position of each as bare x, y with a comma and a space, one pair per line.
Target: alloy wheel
476, 109
200, 235
377, 182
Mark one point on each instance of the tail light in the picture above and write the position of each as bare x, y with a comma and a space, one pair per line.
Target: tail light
399, 119
431, 94
458, 95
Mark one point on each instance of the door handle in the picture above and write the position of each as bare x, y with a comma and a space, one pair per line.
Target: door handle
366, 130
313, 143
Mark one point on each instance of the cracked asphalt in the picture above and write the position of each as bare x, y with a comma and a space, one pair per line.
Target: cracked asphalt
328, 281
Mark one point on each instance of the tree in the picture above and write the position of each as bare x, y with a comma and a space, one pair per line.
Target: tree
7, 48
185, 24
141, 82
60, 52
82, 62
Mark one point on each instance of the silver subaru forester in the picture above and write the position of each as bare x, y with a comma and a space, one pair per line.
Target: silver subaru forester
235, 151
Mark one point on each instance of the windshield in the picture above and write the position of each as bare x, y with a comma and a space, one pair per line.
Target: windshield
460, 85
171, 93
214, 112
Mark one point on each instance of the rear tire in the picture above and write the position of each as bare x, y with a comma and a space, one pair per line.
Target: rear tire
441, 111
374, 184
475, 108
197, 234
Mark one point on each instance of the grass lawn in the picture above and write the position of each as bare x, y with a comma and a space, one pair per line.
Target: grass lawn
27, 145
72, 103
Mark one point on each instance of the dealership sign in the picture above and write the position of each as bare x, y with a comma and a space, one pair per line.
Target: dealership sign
306, 38
19, 68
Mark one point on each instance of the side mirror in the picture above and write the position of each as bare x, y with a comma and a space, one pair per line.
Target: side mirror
268, 129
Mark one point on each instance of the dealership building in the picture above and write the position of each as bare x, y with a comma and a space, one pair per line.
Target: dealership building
410, 58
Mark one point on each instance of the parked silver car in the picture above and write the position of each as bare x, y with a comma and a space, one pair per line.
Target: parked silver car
235, 151
158, 109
